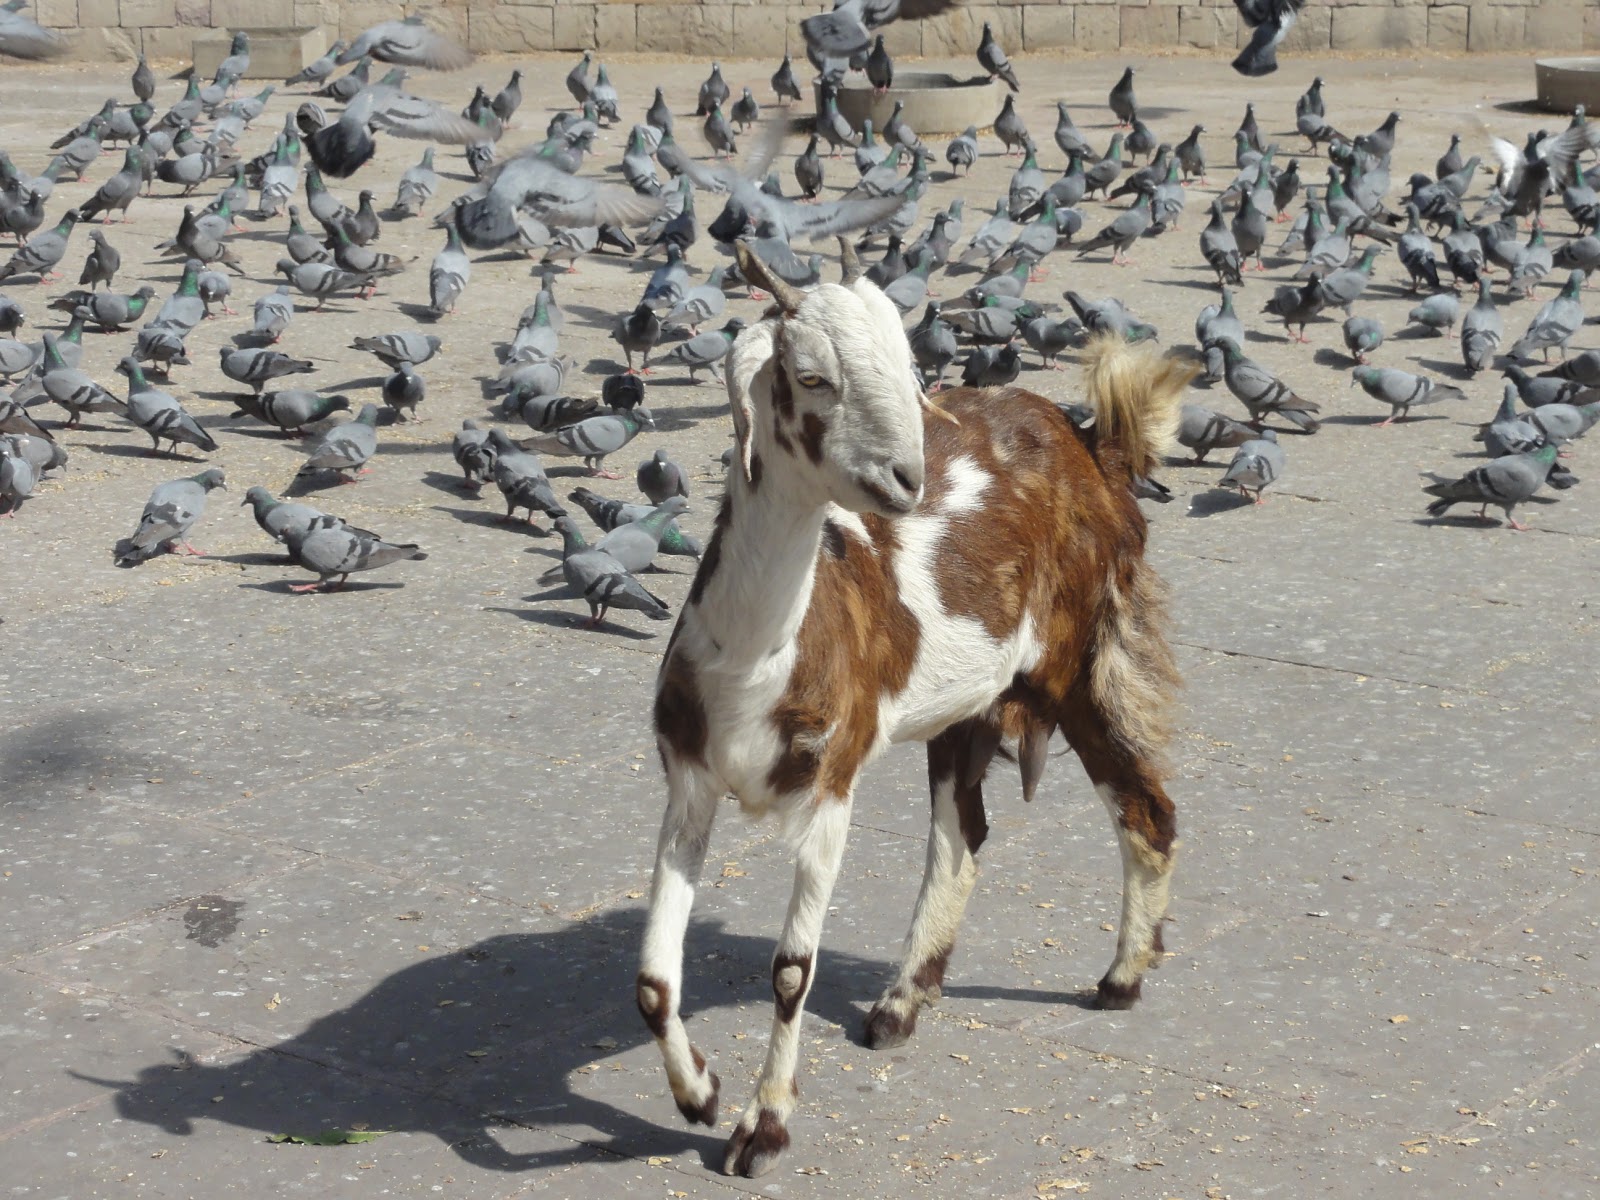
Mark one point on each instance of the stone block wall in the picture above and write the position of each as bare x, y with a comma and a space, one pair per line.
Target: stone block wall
164, 29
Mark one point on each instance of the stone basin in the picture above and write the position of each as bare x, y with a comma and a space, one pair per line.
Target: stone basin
935, 103
275, 53
1565, 83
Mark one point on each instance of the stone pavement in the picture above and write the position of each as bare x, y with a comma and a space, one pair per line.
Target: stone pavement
377, 860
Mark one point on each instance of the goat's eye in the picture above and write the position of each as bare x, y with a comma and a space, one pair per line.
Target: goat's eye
808, 379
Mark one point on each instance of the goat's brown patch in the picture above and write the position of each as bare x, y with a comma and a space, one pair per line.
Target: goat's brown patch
781, 437
812, 430
680, 713
755, 470
712, 558
857, 643
782, 389
654, 997
791, 976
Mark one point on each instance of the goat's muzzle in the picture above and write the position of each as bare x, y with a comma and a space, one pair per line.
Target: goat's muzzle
895, 487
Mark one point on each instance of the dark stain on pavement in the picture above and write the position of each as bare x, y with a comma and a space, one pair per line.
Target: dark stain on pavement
211, 920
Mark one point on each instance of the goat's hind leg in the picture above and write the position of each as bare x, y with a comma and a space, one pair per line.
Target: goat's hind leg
692, 800
763, 1130
957, 759
1129, 784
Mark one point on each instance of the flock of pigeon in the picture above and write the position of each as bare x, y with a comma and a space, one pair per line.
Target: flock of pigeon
542, 201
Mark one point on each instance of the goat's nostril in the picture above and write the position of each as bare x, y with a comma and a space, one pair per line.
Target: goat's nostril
901, 478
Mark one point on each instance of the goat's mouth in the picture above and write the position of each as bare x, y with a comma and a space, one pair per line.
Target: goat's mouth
893, 491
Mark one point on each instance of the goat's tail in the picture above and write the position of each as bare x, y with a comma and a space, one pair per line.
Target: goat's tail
1135, 392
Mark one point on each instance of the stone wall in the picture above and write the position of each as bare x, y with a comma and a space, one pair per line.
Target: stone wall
164, 29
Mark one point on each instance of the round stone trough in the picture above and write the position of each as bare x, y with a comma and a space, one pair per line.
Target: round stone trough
1565, 83
934, 102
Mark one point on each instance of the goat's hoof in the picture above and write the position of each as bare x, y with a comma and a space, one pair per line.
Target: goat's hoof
1115, 996
704, 1112
887, 1027
755, 1147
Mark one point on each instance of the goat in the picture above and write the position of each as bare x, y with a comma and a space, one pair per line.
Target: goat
885, 571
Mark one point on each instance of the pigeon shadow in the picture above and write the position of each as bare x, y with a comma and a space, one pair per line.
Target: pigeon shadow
138, 452
453, 485
605, 366
1325, 357
49, 760
1210, 504
417, 312
285, 587
576, 621
359, 383
489, 519
1442, 366
1352, 419
1194, 284
306, 483
255, 559
1417, 333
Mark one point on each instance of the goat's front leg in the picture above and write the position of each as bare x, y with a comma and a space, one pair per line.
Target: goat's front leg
692, 799
956, 830
763, 1130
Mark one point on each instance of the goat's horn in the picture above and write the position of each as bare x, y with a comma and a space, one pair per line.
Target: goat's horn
850, 264
756, 272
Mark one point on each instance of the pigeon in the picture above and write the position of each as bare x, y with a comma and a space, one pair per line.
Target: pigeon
318, 70
659, 477
636, 543
448, 274
1263, 393
1216, 322
1437, 313
1504, 482
991, 366
1249, 230
291, 409
344, 146
638, 332
808, 170
1202, 431
602, 580
403, 391
1269, 22
719, 134
1103, 174
278, 518
1050, 338
699, 304
1122, 232
143, 81
1555, 323
11, 315
933, 345
21, 37
532, 184
417, 185
1481, 330
258, 367
17, 475
43, 251
521, 479
1191, 155
706, 351
1342, 288
962, 151
321, 280
784, 84
272, 314
593, 438
346, 448
1508, 432
1256, 466
1561, 423
1297, 305
611, 514
159, 414
1416, 252
392, 349
1109, 316
1537, 391
474, 454
1220, 248
1121, 99
1584, 368
713, 92
169, 515
1010, 128
1401, 390
407, 43
1362, 335
332, 549
745, 111
75, 390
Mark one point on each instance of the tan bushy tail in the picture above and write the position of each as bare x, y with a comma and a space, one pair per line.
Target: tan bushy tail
1135, 392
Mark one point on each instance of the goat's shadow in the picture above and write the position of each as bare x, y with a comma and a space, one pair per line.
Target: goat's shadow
399, 1059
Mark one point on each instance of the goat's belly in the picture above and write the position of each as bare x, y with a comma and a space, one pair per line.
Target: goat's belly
959, 672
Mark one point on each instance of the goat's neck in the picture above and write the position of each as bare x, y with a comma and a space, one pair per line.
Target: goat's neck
753, 606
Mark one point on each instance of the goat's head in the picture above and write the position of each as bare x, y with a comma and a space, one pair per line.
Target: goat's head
827, 385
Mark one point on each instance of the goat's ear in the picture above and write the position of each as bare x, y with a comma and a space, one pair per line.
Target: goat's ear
744, 419
757, 274
748, 358
849, 264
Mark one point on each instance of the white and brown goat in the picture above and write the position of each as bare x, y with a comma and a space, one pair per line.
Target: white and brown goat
883, 572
